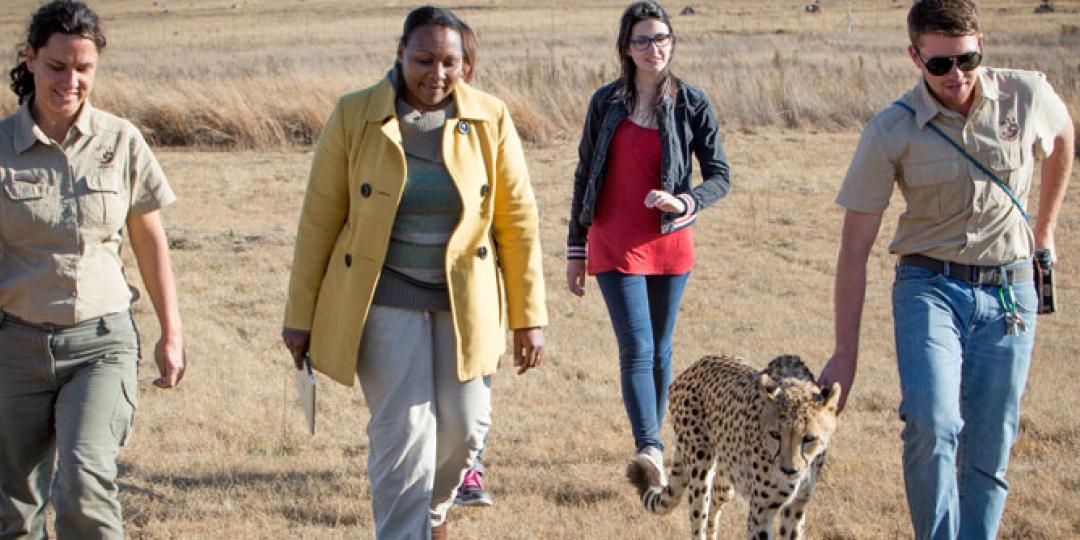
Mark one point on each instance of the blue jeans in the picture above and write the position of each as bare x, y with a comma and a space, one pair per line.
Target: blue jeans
643, 311
961, 378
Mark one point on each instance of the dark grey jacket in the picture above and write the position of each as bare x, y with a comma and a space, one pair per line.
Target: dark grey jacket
687, 124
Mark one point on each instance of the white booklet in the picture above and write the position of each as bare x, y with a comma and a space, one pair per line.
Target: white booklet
305, 386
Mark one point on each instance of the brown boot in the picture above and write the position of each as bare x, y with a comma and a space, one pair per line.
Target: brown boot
439, 532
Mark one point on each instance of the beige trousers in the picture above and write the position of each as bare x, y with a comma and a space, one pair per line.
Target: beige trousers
67, 400
426, 426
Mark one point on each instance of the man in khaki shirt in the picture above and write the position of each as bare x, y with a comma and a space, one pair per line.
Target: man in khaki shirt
964, 301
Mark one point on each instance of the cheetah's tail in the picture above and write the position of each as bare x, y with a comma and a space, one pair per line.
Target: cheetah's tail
655, 497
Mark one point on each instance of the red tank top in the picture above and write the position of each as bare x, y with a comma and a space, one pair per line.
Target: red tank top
625, 235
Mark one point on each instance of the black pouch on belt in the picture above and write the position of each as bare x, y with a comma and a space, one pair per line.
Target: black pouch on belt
1044, 280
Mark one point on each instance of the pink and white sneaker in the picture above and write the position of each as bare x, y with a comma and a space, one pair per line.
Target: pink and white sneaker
472, 492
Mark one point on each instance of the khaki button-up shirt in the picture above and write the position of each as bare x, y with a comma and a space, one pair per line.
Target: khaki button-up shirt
954, 211
62, 210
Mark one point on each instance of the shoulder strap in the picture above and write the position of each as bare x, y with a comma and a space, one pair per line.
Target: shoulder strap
981, 167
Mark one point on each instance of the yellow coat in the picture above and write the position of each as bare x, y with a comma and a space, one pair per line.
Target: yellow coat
357, 177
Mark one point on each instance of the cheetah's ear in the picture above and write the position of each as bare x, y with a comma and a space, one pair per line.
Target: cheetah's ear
831, 396
770, 389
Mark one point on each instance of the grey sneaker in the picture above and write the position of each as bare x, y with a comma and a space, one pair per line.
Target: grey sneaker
472, 492
653, 460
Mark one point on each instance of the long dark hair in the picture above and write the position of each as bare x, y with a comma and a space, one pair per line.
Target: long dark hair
425, 15
637, 12
64, 16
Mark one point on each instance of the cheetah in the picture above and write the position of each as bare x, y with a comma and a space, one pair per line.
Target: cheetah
760, 433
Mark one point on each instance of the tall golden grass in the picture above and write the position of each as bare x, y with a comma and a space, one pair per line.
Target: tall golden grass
225, 455
273, 78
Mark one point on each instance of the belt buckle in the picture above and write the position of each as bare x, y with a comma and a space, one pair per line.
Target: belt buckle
982, 275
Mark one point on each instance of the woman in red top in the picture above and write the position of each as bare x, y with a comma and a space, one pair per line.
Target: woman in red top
633, 203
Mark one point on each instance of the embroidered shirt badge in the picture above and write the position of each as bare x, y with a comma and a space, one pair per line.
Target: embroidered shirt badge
107, 157
1010, 129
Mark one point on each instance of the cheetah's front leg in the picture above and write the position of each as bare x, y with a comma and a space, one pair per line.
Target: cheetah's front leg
762, 517
701, 474
722, 491
794, 515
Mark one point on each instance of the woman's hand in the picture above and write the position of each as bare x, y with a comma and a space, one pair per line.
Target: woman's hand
151, 248
297, 341
575, 276
528, 348
665, 201
171, 360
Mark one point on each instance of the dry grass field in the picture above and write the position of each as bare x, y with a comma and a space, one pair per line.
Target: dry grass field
256, 74
238, 86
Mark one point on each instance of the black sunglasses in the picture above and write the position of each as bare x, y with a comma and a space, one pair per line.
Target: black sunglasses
940, 65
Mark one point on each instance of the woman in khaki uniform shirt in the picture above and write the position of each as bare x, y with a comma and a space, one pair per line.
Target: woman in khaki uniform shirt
71, 177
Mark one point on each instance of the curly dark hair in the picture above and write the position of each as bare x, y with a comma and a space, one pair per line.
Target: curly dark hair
70, 17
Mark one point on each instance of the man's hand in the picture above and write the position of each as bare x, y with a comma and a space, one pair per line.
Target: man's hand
839, 369
1053, 182
849, 293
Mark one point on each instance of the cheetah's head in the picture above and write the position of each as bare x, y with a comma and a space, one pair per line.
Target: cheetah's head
797, 420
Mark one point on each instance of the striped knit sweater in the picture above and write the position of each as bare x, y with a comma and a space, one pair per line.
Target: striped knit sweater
414, 273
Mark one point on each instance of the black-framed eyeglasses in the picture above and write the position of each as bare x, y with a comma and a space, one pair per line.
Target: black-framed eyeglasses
940, 65
642, 43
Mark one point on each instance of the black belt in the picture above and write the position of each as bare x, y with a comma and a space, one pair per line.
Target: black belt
102, 322
971, 273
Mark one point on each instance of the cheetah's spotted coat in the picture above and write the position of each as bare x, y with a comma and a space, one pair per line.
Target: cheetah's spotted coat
760, 433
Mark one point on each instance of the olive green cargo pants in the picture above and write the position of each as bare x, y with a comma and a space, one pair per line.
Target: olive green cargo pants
67, 400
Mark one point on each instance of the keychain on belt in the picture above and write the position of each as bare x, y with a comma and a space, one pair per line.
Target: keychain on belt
1014, 322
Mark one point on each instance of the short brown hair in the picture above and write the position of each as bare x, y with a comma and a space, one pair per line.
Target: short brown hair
948, 17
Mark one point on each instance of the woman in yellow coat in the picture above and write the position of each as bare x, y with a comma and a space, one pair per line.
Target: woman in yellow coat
417, 246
